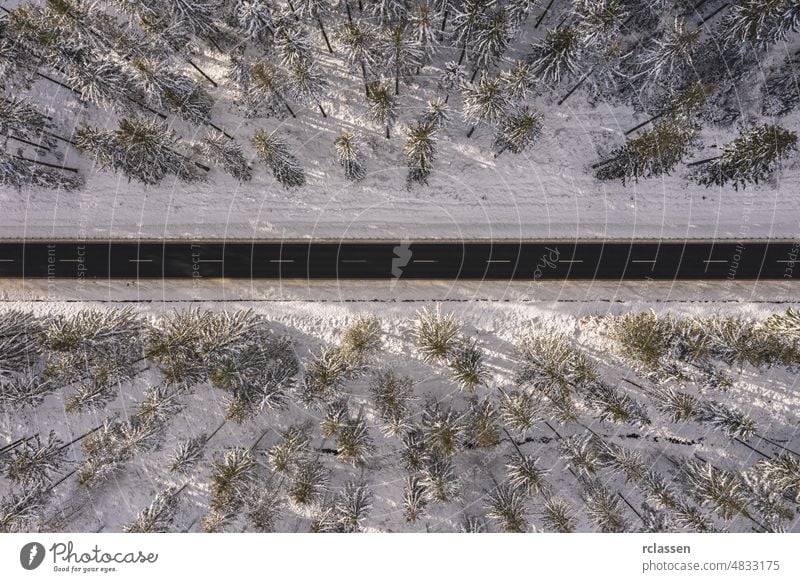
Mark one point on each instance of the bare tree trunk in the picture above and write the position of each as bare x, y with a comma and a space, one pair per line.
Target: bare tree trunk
56, 166
219, 129
575, 88
324, 35
364, 74
444, 20
541, 17
642, 124
701, 162
349, 15
30, 143
471, 131
321, 109
387, 132
80, 438
199, 70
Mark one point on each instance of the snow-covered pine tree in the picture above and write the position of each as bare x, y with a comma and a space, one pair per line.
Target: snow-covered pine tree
482, 429
291, 450
352, 505
142, 149
756, 24
750, 158
421, 19
19, 173
468, 17
436, 113
723, 490
291, 42
767, 500
337, 415
604, 508
581, 452
557, 56
317, 10
354, 445
358, 40
382, 105
467, 366
24, 391
402, 55
306, 83
490, 39
265, 90
387, 11
598, 21
524, 474
263, 507
19, 342
197, 16
420, 151
442, 427
19, 511
452, 79
34, 464
518, 410
669, 55
392, 396
628, 462
786, 323
678, 405
157, 517
518, 12
438, 478
20, 118
557, 515
485, 102
255, 19
518, 130
232, 477
187, 454
360, 341
615, 406
518, 80
165, 87
415, 450
415, 498
783, 472
309, 482
350, 156
734, 423
435, 333
506, 505
323, 377
781, 90
275, 152
227, 154
654, 153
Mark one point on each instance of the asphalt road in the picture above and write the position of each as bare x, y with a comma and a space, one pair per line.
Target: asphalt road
402, 260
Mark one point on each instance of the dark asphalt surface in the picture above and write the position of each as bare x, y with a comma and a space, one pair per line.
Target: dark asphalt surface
500, 261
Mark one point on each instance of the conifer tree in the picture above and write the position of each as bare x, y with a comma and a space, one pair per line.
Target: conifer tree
358, 42
655, 152
317, 10
350, 156
306, 83
490, 39
669, 55
420, 151
436, 113
309, 482
557, 56
227, 154
435, 333
275, 153
760, 23
518, 81
167, 88
353, 505
557, 515
187, 454
482, 429
469, 15
255, 19
604, 508
598, 21
20, 118
485, 102
35, 464
442, 428
402, 55
422, 24
525, 475
451, 79
291, 42
20, 173
415, 498
518, 410
387, 11
438, 477
506, 505
467, 365
381, 105
721, 489
157, 517
781, 89
266, 84
518, 130
392, 396
749, 159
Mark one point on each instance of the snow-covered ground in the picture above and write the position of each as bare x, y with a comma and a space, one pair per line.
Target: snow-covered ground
314, 318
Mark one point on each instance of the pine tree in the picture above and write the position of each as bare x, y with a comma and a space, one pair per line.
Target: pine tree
353, 505
525, 475
598, 21
751, 158
557, 56
306, 83
403, 56
628, 462
24, 391
141, 149
232, 476
392, 396
721, 489
482, 429
291, 450
518, 410
317, 10
557, 515
518, 130
420, 151
354, 444
518, 12
506, 505
350, 155
255, 19
760, 23
671, 54
387, 11
227, 154
415, 449
485, 102
518, 81
435, 333
734, 423
786, 323
381, 105
323, 376
442, 427
581, 453
337, 415
309, 482
604, 508
19, 342
266, 84
165, 87
358, 42
653, 153
452, 79
20, 118
467, 365
360, 341
781, 90
157, 517
18, 511
490, 38
436, 113
421, 20
197, 16
439, 479
263, 508
469, 15
415, 498
783, 472
616, 406
187, 454
19, 173
292, 43
35, 464
275, 152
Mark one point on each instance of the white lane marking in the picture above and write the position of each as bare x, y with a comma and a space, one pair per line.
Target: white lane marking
498, 260
70, 260
786, 261
354, 260
281, 261
424, 261
209, 260
140, 260
570, 261
643, 261
6, 260
715, 261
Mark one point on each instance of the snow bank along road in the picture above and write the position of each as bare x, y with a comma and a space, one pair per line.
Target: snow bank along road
552, 260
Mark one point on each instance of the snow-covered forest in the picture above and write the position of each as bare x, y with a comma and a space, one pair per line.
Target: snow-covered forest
422, 419
318, 110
